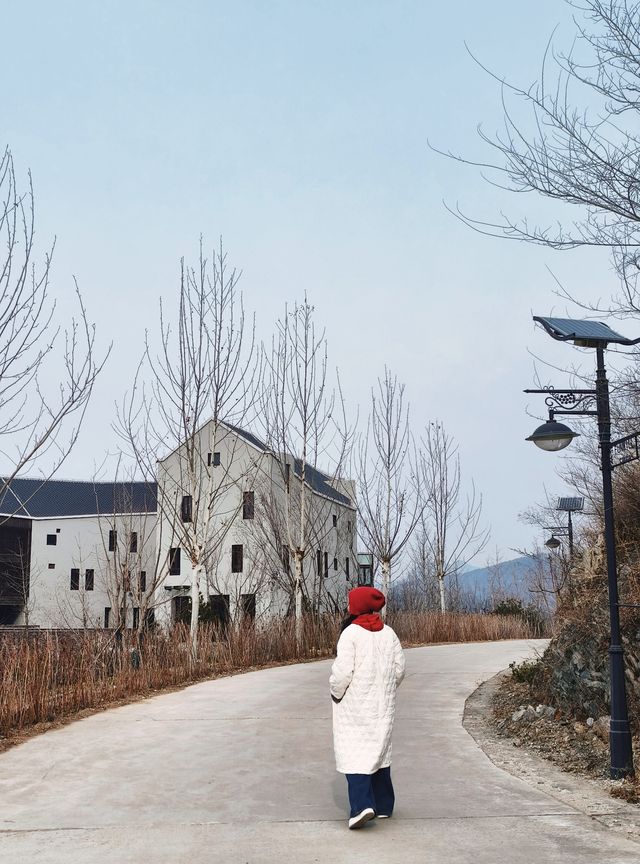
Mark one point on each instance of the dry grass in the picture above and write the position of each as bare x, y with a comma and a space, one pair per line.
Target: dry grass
47, 676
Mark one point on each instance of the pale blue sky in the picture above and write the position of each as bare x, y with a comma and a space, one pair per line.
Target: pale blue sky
298, 131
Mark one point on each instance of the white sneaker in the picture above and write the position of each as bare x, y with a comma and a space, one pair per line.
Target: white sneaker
362, 818
383, 816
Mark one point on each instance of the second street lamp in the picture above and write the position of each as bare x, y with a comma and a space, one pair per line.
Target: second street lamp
555, 436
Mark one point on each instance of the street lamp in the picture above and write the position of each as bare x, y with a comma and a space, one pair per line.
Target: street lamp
553, 436
568, 506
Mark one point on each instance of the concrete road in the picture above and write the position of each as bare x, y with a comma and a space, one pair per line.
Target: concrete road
241, 770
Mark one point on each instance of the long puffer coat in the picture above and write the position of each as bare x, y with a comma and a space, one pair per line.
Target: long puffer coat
365, 674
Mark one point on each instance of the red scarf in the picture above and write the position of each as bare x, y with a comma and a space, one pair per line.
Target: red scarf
370, 621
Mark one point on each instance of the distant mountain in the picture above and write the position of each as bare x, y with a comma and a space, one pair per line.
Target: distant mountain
508, 577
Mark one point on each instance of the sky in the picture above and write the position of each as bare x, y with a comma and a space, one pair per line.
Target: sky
299, 132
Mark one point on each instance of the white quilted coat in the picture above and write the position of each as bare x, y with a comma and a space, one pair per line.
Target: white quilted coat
364, 676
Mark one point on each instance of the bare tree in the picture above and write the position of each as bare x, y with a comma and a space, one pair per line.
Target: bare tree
36, 418
450, 525
389, 501
202, 380
304, 424
573, 137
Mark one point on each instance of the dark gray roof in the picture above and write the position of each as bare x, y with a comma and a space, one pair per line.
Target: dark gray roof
248, 436
320, 483
48, 499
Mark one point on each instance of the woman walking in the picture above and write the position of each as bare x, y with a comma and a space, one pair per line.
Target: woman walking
366, 672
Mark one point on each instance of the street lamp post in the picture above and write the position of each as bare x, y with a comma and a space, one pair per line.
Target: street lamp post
593, 334
568, 506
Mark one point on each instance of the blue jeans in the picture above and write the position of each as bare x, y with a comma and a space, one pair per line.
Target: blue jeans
371, 790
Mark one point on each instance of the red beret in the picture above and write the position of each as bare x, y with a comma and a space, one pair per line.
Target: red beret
365, 599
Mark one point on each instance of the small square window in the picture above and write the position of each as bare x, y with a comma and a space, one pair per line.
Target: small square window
52, 566
75, 580
57, 530
213, 459
52, 539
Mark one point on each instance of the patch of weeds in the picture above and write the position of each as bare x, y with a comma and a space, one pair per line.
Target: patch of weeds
527, 672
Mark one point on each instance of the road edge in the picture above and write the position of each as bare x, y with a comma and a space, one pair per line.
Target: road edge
582, 793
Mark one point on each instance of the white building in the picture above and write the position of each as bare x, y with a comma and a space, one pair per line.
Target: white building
83, 554
228, 506
76, 553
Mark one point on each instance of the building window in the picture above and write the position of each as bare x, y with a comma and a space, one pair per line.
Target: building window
319, 562
237, 555
285, 557
287, 475
52, 539
52, 566
335, 521
326, 564
88, 580
213, 459
174, 561
248, 499
75, 580
107, 616
347, 567
136, 617
219, 606
113, 539
335, 563
248, 606
143, 581
133, 542
186, 508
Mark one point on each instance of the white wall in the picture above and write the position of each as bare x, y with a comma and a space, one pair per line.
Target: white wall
82, 543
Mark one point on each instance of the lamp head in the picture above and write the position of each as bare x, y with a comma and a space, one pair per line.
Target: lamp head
552, 436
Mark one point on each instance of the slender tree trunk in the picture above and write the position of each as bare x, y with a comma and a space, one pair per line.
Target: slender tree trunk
195, 609
298, 599
386, 582
443, 608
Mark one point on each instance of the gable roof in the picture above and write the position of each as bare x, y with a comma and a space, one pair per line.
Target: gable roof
320, 483
49, 499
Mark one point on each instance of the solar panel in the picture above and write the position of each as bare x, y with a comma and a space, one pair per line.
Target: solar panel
570, 504
582, 331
